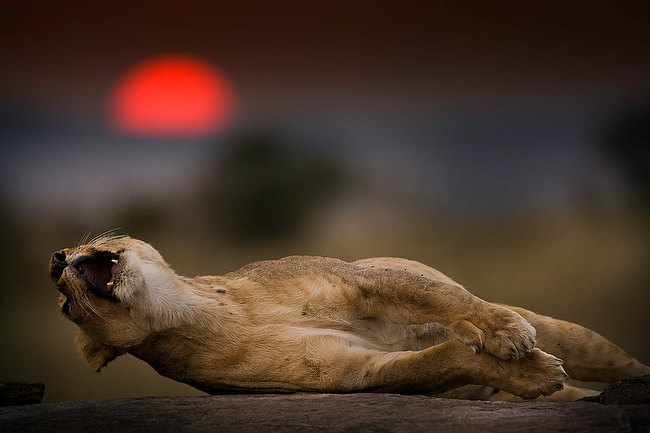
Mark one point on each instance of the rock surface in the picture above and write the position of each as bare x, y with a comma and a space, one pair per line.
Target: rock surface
333, 413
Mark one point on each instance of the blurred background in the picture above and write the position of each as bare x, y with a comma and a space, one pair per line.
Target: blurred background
503, 143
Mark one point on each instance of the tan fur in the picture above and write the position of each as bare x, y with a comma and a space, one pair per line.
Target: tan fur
321, 324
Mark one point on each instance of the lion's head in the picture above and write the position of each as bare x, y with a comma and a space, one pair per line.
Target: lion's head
115, 289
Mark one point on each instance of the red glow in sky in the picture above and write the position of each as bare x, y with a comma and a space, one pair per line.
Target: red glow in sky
171, 96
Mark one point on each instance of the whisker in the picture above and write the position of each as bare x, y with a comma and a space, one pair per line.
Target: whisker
84, 239
86, 302
105, 237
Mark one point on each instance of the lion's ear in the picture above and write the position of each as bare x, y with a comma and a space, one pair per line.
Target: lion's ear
96, 354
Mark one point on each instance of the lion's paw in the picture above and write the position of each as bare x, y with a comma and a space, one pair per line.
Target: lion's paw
513, 338
537, 373
508, 335
501, 332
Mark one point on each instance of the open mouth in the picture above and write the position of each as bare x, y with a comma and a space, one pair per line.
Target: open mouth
65, 308
64, 304
99, 272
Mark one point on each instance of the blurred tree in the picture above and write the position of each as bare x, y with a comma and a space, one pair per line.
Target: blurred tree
11, 256
626, 139
265, 185
142, 218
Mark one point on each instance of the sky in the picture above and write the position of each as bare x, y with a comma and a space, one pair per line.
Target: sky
453, 103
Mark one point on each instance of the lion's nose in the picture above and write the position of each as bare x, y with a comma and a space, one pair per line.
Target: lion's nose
57, 265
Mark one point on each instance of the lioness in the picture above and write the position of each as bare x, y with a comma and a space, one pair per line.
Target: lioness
321, 324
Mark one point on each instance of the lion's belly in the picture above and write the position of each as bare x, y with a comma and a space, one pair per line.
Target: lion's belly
392, 337
377, 334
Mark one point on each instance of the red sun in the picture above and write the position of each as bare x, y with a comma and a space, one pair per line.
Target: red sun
171, 96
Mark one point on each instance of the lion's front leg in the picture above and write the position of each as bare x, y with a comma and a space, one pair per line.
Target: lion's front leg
404, 297
434, 370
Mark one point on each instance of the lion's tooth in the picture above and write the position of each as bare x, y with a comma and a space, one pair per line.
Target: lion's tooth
110, 283
114, 261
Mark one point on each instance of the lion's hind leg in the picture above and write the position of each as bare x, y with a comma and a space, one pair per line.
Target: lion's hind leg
569, 393
587, 355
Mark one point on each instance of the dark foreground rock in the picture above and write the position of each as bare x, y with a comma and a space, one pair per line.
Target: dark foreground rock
329, 413
16, 393
635, 390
